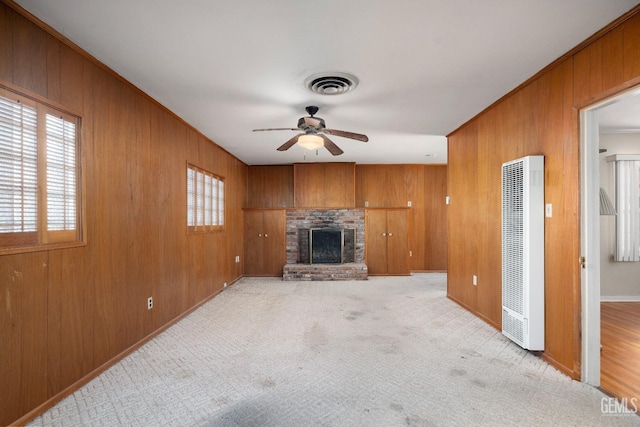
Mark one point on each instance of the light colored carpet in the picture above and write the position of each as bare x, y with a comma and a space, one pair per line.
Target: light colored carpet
382, 352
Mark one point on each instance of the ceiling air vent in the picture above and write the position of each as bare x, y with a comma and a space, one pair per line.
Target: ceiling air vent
331, 83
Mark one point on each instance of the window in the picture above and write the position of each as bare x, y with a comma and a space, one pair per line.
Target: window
38, 173
205, 200
627, 195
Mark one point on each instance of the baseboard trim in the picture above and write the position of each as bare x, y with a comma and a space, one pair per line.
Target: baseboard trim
560, 367
474, 312
620, 298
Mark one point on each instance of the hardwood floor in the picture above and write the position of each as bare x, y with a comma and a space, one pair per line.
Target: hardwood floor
620, 356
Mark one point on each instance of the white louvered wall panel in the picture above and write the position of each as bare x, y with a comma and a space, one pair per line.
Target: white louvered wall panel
523, 251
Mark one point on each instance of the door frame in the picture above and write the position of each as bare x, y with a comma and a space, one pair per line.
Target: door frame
590, 245
590, 235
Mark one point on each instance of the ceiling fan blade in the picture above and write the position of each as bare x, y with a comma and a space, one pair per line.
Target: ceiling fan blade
290, 143
262, 130
329, 145
345, 134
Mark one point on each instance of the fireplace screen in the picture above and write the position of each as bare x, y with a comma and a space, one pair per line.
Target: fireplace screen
326, 246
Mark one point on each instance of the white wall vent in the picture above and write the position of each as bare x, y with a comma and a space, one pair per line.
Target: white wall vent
523, 251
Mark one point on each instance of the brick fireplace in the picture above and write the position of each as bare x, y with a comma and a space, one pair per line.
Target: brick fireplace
298, 224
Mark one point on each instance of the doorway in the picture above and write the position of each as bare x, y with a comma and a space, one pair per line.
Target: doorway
597, 323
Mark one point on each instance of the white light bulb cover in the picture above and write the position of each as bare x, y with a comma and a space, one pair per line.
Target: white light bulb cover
310, 142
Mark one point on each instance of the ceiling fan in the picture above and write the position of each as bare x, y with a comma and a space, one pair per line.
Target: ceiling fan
313, 134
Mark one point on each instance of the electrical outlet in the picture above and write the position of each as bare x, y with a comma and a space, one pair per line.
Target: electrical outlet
366, 204
225, 285
447, 200
548, 210
410, 253
149, 303
475, 280
237, 258
409, 203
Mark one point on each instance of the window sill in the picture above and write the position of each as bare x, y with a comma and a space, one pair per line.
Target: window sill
41, 248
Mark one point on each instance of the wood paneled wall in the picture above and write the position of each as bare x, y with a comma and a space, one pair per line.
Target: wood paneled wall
64, 313
270, 187
540, 117
324, 185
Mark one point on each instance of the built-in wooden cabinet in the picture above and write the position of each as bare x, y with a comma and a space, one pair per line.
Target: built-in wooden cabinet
264, 242
387, 236
424, 188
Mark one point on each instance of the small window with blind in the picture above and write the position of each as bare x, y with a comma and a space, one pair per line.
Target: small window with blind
39, 169
205, 200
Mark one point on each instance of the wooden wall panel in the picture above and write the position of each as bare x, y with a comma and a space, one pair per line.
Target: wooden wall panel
417, 187
588, 65
392, 191
339, 185
569, 248
66, 312
308, 181
270, 187
29, 56
612, 58
462, 213
23, 329
381, 186
6, 44
325, 185
237, 182
168, 283
630, 52
69, 319
71, 73
434, 220
53, 69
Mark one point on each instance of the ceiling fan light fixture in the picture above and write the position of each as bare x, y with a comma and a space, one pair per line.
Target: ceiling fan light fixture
310, 141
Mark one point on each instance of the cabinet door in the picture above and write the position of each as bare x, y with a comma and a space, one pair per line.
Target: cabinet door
273, 237
376, 241
253, 242
397, 242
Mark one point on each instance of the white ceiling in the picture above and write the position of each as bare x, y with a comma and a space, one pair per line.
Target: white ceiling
425, 66
622, 115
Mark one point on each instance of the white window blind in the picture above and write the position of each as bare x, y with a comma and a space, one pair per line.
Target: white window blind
61, 174
18, 167
205, 200
220, 202
191, 198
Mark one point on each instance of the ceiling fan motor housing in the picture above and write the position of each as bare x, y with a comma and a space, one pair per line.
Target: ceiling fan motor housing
305, 123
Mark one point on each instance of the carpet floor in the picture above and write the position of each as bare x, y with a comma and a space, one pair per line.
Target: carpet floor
390, 351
